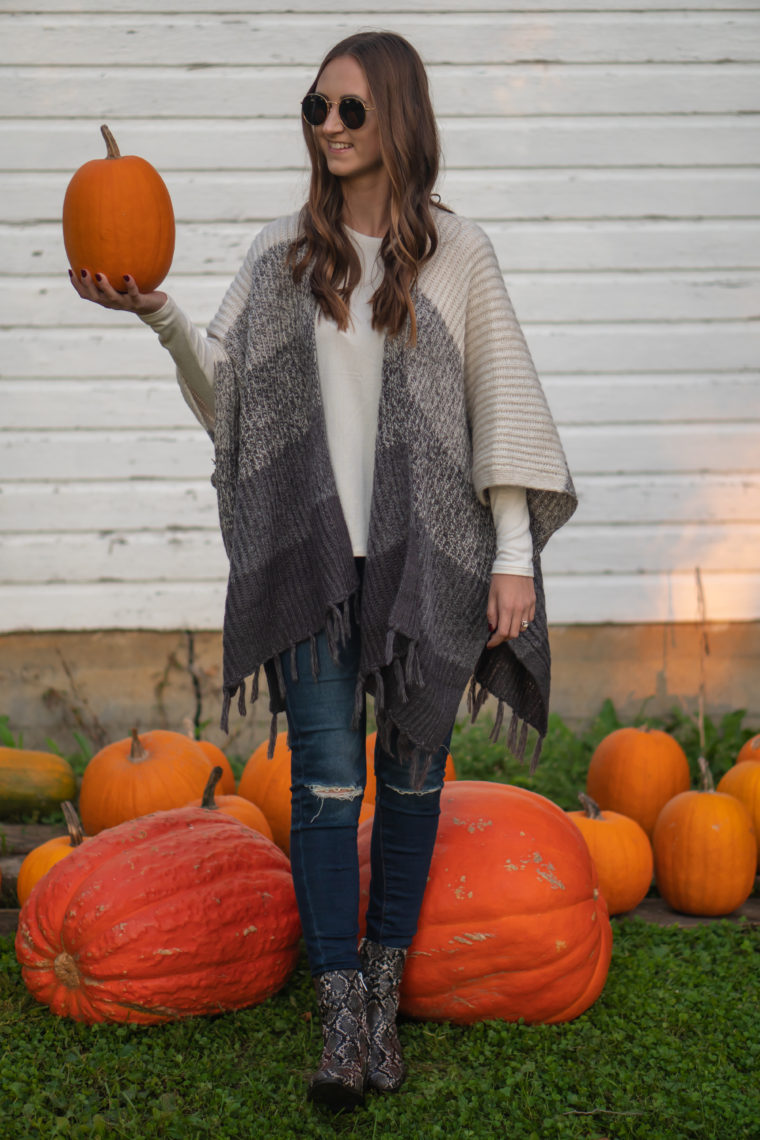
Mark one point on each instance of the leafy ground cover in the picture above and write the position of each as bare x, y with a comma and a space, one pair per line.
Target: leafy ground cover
670, 1049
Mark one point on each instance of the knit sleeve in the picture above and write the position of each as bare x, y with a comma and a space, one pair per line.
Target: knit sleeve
514, 439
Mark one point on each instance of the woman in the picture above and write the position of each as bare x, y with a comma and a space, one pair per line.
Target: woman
387, 473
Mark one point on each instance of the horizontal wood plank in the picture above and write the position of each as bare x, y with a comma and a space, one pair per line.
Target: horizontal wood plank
572, 599
538, 297
322, 7
663, 398
493, 194
186, 454
165, 505
189, 555
519, 89
299, 38
483, 142
134, 351
36, 250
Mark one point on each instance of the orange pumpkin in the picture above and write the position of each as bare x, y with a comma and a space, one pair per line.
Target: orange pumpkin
743, 781
39, 861
215, 758
750, 750
635, 771
705, 851
512, 923
152, 772
621, 851
371, 789
177, 914
267, 784
236, 806
118, 219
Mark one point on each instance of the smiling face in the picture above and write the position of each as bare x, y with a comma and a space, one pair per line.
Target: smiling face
348, 154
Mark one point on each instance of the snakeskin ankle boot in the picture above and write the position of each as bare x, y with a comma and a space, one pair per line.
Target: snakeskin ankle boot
382, 967
340, 1079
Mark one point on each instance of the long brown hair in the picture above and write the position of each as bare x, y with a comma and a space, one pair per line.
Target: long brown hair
411, 151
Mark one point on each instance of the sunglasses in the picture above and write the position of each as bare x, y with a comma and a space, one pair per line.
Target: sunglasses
315, 109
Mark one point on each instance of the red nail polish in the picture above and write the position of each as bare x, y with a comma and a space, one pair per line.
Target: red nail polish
126, 277
98, 277
84, 272
71, 274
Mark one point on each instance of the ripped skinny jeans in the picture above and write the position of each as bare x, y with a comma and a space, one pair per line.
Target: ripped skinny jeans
328, 775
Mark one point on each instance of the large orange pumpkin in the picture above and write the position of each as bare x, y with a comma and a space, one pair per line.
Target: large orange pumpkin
176, 914
154, 771
743, 781
705, 851
512, 923
635, 771
236, 806
267, 783
118, 219
621, 851
371, 789
39, 861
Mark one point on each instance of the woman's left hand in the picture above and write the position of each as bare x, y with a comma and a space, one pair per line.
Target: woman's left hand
511, 600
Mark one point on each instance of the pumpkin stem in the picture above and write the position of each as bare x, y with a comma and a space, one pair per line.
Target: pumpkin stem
112, 148
590, 807
73, 824
208, 800
708, 784
65, 970
137, 752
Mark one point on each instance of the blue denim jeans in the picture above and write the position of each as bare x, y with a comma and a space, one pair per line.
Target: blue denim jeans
328, 776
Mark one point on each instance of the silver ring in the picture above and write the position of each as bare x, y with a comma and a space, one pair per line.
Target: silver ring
524, 624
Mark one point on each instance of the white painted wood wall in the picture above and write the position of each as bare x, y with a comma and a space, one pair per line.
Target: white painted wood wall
611, 154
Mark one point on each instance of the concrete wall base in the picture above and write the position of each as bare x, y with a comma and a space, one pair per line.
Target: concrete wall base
104, 683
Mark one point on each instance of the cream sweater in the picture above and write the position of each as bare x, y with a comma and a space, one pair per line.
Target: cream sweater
350, 365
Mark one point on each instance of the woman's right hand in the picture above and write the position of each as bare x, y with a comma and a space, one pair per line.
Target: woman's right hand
98, 289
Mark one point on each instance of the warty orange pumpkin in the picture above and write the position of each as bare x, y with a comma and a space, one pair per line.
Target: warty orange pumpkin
512, 924
705, 851
118, 219
152, 771
635, 771
39, 861
177, 914
621, 852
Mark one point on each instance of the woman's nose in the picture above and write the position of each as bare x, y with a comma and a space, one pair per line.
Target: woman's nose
333, 122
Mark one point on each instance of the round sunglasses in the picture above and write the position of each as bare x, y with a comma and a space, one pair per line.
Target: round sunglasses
352, 110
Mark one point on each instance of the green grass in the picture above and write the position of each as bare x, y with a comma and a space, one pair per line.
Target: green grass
670, 1049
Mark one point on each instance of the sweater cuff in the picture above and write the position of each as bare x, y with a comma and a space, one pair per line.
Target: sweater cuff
514, 545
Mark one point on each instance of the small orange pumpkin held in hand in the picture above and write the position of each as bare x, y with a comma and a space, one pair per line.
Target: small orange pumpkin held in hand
39, 861
635, 771
705, 851
118, 219
621, 851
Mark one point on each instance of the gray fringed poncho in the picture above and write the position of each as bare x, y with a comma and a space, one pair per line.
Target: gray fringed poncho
461, 411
